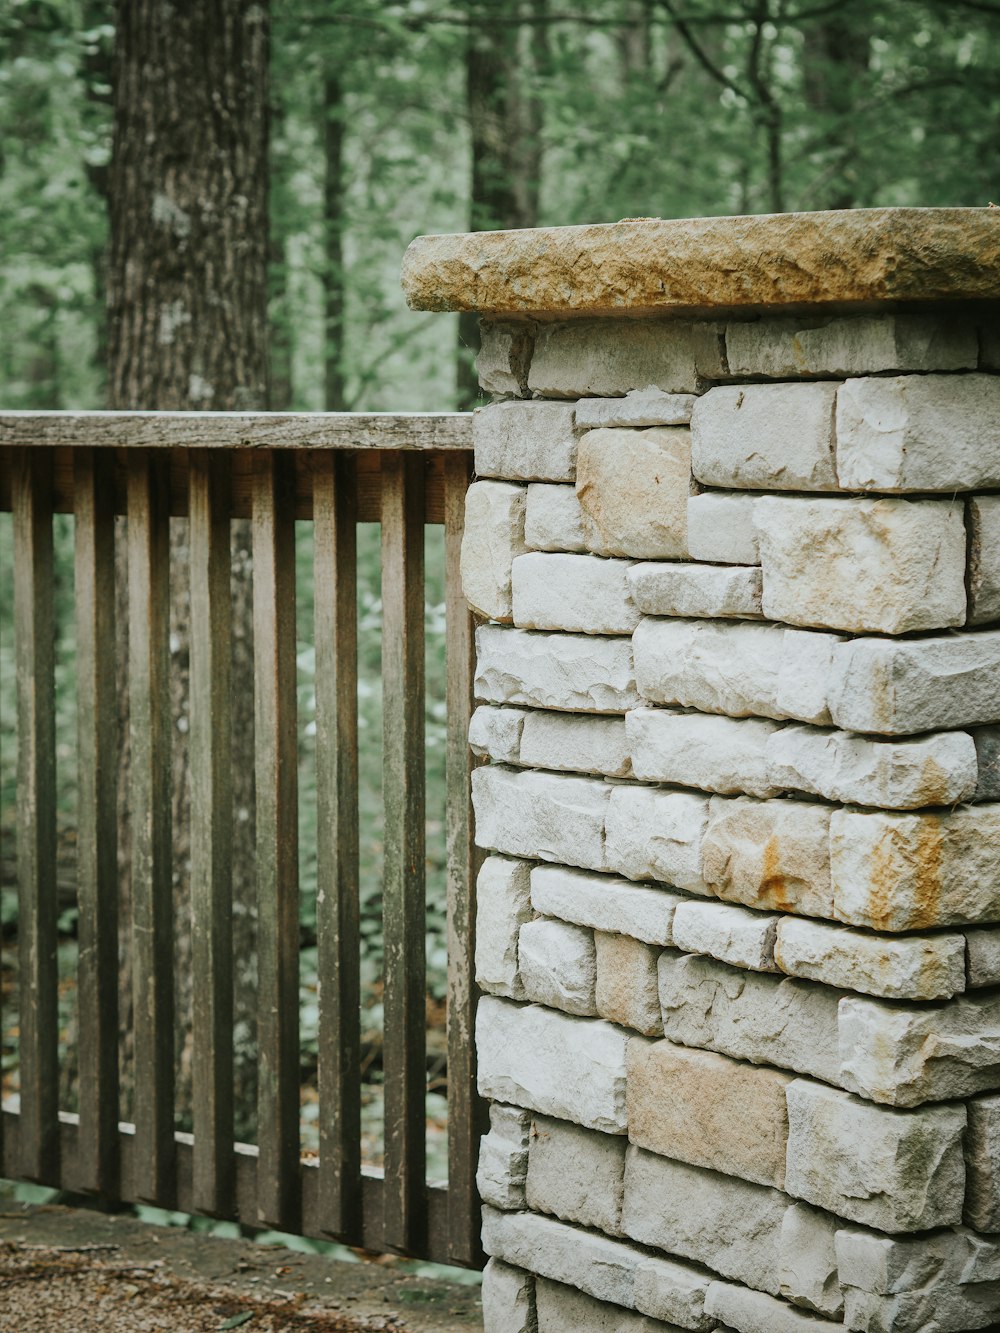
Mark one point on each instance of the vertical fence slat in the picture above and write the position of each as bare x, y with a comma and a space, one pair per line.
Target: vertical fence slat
211, 834
465, 1110
404, 1042
97, 821
337, 889
36, 813
150, 782
277, 839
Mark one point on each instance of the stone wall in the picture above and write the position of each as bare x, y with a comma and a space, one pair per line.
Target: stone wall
739, 717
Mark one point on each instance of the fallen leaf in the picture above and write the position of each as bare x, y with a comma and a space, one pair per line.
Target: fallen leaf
237, 1320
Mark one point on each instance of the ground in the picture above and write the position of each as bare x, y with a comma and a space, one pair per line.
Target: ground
67, 1270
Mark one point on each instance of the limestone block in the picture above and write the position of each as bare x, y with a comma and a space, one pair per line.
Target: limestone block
719, 754
907, 871
572, 1068
504, 356
558, 966
572, 592
495, 733
608, 358
563, 1309
633, 488
895, 1170
573, 672
503, 904
982, 957
987, 743
626, 983
503, 1158
755, 1312
553, 520
707, 1110
769, 854
982, 1164
808, 1268
605, 903
715, 668
575, 742
721, 528
508, 1299
984, 559
902, 1056
939, 769
909, 967
525, 441
918, 433
576, 1175
639, 407
656, 835
887, 566
601, 1267
493, 536
857, 345
733, 935
902, 686
805, 666
770, 437
753, 1016
709, 591
944, 1283
728, 1224
547, 816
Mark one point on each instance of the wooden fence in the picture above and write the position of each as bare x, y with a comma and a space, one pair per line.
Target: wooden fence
336, 470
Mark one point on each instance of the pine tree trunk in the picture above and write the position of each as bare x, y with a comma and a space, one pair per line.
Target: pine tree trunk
187, 329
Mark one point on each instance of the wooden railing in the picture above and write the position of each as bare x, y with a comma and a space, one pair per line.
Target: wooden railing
337, 470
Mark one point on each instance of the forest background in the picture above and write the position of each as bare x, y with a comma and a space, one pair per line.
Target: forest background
390, 119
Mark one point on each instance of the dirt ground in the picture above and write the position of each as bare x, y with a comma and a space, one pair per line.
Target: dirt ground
67, 1270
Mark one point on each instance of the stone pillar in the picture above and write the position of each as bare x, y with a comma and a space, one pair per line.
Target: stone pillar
735, 542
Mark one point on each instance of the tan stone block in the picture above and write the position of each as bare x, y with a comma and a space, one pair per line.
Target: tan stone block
494, 535
860, 565
707, 1110
769, 854
593, 360
895, 871
633, 488
627, 983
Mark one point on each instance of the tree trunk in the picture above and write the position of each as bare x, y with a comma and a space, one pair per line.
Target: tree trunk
505, 116
333, 242
835, 57
187, 329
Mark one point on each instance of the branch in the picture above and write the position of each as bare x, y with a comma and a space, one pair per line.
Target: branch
699, 52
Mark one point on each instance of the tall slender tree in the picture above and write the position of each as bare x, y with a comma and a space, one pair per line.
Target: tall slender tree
187, 329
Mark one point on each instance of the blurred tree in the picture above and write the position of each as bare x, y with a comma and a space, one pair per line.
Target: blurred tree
187, 302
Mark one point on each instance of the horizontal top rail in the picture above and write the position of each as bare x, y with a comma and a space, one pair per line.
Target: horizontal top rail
239, 430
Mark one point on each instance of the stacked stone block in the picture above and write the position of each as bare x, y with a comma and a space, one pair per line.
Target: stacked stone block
739, 729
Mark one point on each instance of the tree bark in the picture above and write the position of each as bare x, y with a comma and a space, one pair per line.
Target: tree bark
187, 329
835, 57
505, 121
333, 243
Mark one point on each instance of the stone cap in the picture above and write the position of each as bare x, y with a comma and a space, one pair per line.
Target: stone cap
656, 266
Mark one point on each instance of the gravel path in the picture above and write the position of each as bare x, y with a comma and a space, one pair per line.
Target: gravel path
67, 1270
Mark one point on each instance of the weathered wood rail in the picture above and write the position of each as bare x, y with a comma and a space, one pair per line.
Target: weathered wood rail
337, 470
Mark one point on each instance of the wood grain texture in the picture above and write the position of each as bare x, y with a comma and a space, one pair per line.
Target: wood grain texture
150, 812
403, 795
466, 1110
34, 641
97, 823
337, 888
239, 430
211, 835
367, 463
277, 840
